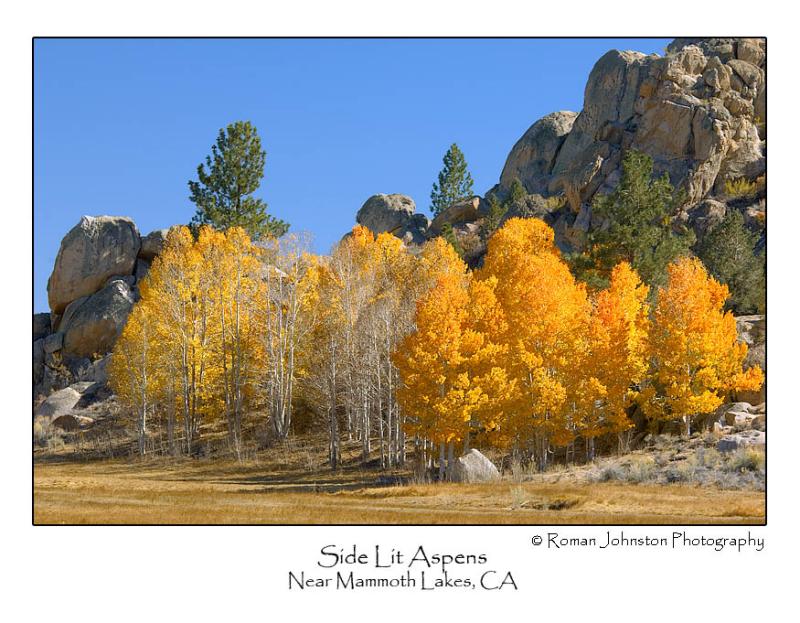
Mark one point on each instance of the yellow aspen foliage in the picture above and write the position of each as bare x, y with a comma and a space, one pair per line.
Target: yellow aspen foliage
486, 354
545, 330
618, 358
197, 309
696, 357
449, 365
522, 237
133, 370
380, 341
177, 286
437, 259
232, 291
436, 396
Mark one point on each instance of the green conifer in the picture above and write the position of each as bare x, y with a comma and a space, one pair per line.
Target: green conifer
223, 192
455, 181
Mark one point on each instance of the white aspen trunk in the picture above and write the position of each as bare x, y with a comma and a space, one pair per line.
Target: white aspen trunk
380, 421
225, 378
401, 436
186, 399
237, 379
143, 415
451, 459
142, 418
365, 427
171, 422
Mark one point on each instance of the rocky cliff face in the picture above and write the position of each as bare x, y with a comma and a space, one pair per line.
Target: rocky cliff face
91, 291
699, 112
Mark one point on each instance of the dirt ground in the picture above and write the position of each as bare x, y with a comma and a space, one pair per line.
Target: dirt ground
125, 491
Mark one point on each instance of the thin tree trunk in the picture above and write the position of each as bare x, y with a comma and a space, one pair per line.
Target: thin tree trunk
451, 459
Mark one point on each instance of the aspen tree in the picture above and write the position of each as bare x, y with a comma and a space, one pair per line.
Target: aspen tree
231, 268
321, 385
179, 289
284, 325
618, 360
695, 354
546, 314
132, 374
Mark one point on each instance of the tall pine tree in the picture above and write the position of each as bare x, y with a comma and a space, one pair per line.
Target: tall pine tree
455, 182
640, 230
223, 192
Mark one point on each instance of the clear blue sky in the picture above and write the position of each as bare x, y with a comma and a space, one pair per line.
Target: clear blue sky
121, 125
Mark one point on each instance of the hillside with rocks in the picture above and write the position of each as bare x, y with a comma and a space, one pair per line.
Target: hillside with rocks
699, 112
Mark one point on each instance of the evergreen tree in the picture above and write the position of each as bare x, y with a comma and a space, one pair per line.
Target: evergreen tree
455, 182
728, 253
640, 230
516, 192
492, 220
450, 236
223, 192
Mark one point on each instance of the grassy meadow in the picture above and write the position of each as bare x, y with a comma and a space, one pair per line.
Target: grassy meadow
291, 485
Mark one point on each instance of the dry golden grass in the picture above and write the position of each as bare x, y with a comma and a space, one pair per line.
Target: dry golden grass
224, 492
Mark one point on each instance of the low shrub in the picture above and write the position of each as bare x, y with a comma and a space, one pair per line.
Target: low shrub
746, 460
742, 187
556, 202
609, 473
643, 469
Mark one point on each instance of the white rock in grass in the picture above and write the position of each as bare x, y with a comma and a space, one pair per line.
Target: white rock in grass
474, 467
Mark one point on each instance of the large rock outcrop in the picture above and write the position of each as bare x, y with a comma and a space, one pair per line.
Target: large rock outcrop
61, 402
38, 361
534, 155
415, 231
91, 324
381, 213
92, 289
752, 330
745, 439
699, 112
466, 211
394, 214
69, 408
152, 244
96, 249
